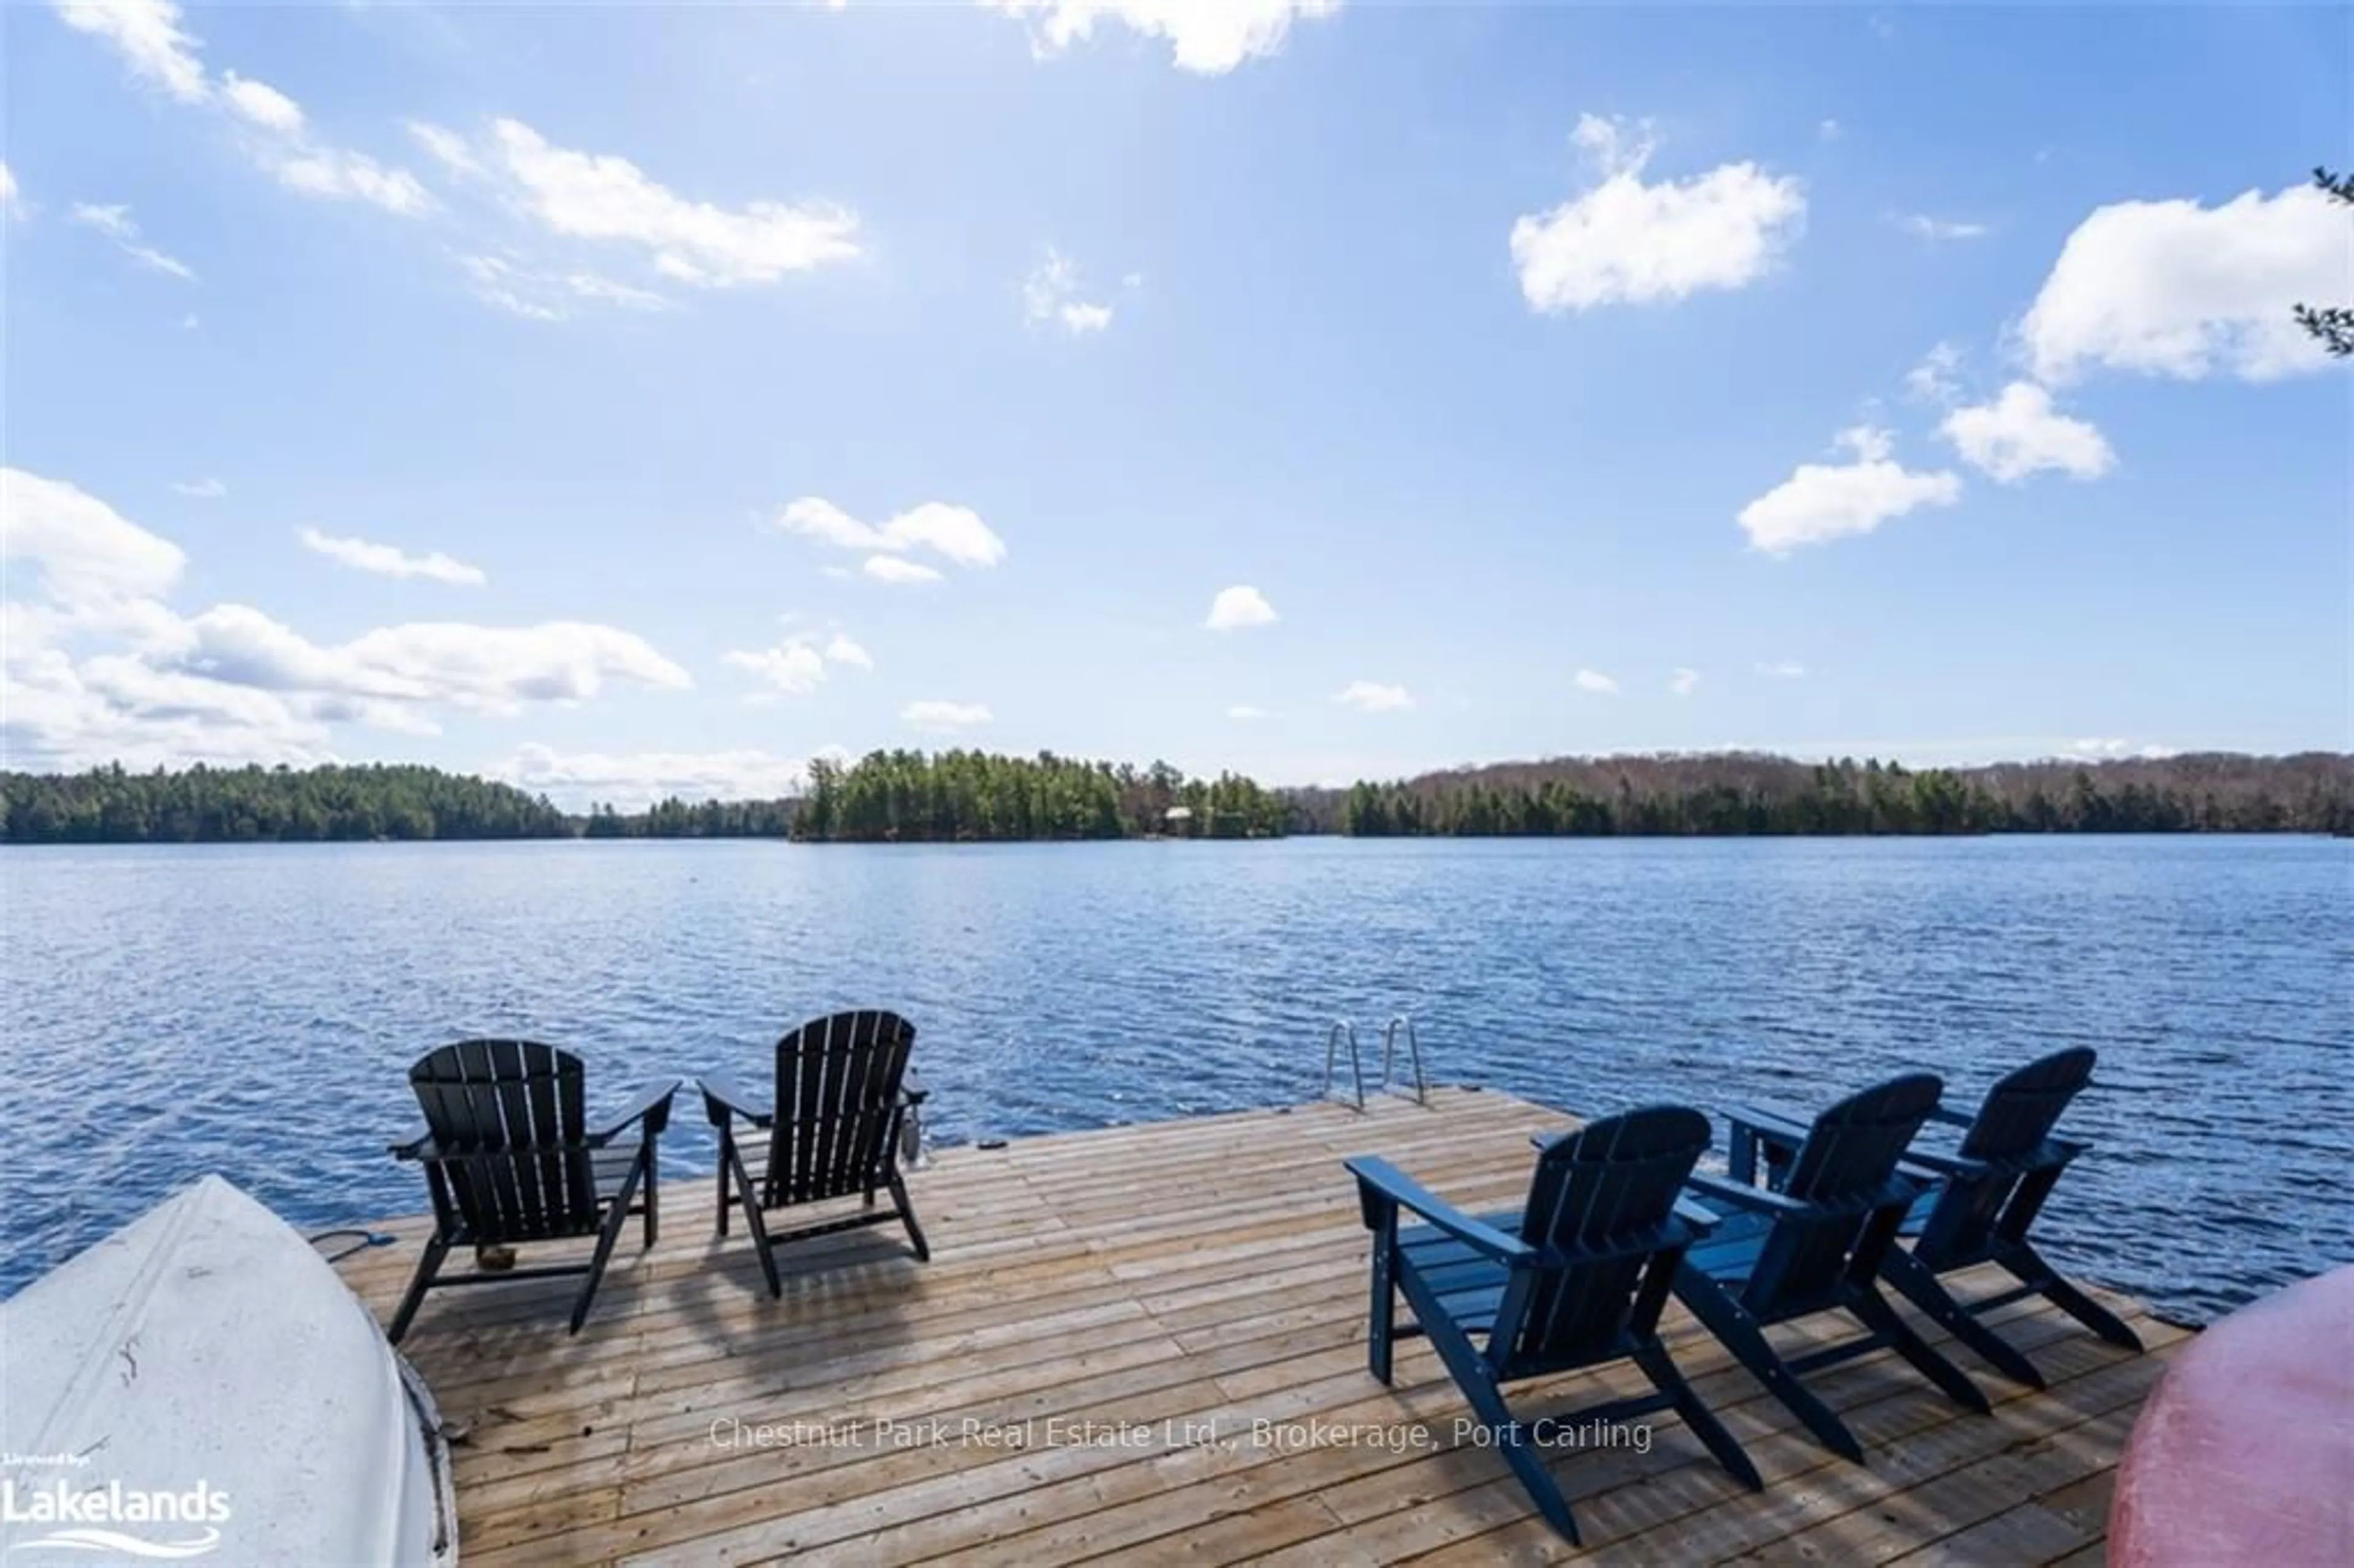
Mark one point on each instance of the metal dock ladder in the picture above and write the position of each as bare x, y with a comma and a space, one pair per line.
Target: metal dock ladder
1342, 1031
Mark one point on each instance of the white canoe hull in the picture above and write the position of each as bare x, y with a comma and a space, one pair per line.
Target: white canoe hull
202, 1386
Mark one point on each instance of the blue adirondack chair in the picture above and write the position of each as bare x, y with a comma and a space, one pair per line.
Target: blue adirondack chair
1994, 1188
1577, 1279
1987, 1199
1817, 1245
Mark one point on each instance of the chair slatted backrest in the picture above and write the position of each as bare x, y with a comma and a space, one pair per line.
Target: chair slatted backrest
838, 1081
1845, 1167
1609, 1189
2008, 1135
509, 1116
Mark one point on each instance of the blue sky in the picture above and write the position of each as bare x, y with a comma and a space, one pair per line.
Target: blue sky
627, 400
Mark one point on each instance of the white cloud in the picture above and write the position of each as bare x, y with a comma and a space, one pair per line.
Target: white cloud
1236, 608
1682, 682
793, 668
1373, 698
1830, 130
633, 780
87, 554
339, 173
1245, 711
1051, 295
206, 488
1820, 501
148, 36
549, 296
1209, 38
115, 222
1783, 670
944, 716
1923, 226
955, 532
56, 714
448, 147
2105, 749
2170, 288
898, 573
797, 666
98, 667
1595, 680
1626, 242
589, 195
1932, 380
262, 104
2020, 433
390, 561
188, 321
10, 203
482, 669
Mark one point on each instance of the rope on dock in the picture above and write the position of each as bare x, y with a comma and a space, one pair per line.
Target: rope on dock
367, 1239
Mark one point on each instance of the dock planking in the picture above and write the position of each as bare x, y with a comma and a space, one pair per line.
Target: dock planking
1163, 1312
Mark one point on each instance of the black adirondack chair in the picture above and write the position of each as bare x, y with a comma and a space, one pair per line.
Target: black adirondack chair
1986, 1200
510, 1159
843, 1094
1578, 1278
1817, 1245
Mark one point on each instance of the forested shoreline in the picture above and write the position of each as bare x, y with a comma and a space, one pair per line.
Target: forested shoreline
972, 796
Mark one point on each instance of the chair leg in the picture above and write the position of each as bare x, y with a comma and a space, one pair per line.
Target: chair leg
907, 1217
2028, 1264
607, 1235
727, 1157
1472, 1375
1380, 1321
1883, 1319
652, 1201
1738, 1332
734, 1161
1668, 1379
436, 1249
1918, 1284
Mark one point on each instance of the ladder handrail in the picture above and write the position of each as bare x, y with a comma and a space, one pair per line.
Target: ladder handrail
1414, 1054
1341, 1027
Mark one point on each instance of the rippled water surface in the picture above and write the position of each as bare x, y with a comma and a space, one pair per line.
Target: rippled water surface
252, 1009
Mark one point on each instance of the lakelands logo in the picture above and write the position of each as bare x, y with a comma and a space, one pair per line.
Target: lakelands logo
114, 1518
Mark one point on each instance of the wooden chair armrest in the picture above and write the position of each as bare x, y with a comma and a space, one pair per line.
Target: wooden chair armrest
1769, 1124
1700, 1219
652, 1106
1947, 1115
1379, 1177
1927, 1164
419, 1147
723, 1097
1756, 1200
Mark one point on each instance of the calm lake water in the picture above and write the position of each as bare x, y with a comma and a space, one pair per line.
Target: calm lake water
252, 1009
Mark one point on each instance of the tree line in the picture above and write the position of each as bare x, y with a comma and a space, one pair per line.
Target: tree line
972, 796
245, 805
1745, 793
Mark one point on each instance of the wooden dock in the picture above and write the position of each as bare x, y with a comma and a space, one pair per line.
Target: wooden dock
1125, 1345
